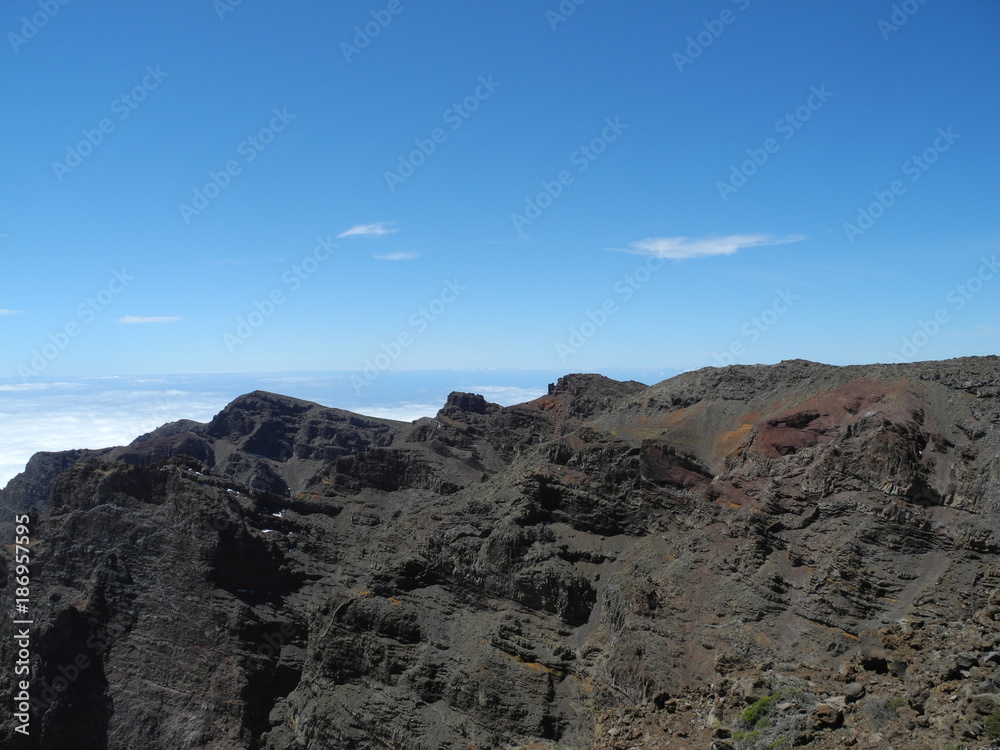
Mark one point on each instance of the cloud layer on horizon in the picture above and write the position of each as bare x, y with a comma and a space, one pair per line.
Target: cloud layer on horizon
63, 416
114, 410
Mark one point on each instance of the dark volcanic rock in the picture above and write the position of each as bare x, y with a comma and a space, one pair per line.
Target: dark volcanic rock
790, 555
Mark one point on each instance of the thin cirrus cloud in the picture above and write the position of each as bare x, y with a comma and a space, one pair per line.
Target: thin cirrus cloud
369, 230
139, 320
10, 312
683, 248
397, 256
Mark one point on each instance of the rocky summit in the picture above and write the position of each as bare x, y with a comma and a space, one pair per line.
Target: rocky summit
793, 555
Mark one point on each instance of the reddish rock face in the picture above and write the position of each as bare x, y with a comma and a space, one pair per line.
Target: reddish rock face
821, 417
797, 554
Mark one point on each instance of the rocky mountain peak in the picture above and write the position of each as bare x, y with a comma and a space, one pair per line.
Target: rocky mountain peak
473, 403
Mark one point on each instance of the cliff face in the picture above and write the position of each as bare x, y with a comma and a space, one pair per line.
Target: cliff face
790, 555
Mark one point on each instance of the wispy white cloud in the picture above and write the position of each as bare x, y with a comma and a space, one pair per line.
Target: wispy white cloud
397, 256
137, 320
683, 248
370, 230
10, 312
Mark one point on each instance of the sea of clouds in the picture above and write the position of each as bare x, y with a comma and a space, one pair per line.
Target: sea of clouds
99, 412
108, 411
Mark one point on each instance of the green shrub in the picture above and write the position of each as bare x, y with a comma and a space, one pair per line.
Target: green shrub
760, 726
746, 737
881, 710
757, 711
992, 724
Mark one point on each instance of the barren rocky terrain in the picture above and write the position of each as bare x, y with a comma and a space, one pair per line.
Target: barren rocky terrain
794, 555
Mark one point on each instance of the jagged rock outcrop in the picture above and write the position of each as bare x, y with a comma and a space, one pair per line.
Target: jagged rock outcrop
755, 556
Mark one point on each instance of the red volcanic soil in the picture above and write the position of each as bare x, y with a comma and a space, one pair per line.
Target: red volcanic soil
819, 418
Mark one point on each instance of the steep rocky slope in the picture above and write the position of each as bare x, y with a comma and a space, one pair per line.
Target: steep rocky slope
755, 556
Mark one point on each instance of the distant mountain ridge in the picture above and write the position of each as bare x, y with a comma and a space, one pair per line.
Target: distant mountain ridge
754, 556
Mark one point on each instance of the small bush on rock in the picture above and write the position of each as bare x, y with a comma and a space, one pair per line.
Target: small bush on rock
992, 724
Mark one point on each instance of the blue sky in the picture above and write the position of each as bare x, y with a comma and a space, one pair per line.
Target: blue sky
728, 181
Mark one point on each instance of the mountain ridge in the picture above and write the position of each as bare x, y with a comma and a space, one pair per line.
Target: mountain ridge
610, 565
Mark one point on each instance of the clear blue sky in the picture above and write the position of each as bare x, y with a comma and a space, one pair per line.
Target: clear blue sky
763, 267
